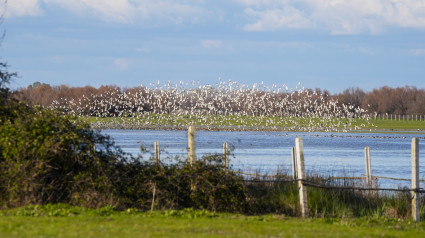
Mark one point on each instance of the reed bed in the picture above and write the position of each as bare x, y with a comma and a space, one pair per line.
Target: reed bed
331, 200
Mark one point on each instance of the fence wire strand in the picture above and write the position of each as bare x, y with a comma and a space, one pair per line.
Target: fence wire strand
315, 185
330, 178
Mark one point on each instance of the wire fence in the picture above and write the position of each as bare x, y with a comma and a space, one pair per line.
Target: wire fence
329, 178
309, 183
299, 175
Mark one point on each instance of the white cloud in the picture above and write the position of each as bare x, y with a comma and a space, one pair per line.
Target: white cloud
170, 11
149, 12
17, 8
108, 10
275, 19
366, 51
211, 44
143, 50
58, 59
121, 64
417, 51
335, 16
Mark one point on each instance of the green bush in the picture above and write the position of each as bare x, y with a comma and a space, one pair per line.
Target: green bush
203, 185
46, 157
49, 158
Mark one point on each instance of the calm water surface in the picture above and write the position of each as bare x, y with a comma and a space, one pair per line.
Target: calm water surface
337, 154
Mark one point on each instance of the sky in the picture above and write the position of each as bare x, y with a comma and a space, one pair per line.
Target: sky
328, 44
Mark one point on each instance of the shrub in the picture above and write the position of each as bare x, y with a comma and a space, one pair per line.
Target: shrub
203, 185
49, 158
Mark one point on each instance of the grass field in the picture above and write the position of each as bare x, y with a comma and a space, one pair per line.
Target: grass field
399, 125
258, 123
200, 224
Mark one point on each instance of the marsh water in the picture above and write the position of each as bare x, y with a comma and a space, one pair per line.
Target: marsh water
335, 154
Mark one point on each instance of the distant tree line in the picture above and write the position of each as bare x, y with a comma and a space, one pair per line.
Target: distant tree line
406, 100
88, 100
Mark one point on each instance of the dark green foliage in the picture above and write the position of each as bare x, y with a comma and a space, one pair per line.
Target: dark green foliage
50, 158
46, 157
272, 197
213, 188
5, 77
178, 185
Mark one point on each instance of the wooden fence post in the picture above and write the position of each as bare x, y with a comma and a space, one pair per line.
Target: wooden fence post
294, 163
415, 180
299, 149
226, 156
157, 152
191, 144
368, 166
153, 196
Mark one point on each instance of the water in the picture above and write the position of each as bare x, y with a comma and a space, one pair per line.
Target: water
336, 154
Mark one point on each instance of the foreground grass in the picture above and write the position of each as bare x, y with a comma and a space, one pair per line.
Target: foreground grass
201, 224
258, 123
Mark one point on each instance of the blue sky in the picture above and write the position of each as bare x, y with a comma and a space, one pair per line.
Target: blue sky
331, 44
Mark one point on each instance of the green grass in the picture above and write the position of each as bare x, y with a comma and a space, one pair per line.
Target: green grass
214, 120
200, 224
398, 125
262, 123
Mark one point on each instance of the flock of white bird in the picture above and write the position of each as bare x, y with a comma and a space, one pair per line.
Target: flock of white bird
225, 104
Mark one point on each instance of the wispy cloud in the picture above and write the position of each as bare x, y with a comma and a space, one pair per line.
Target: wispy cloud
171, 11
107, 10
121, 64
333, 16
274, 19
215, 44
17, 8
143, 50
122, 11
417, 52
275, 45
336, 17
366, 51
